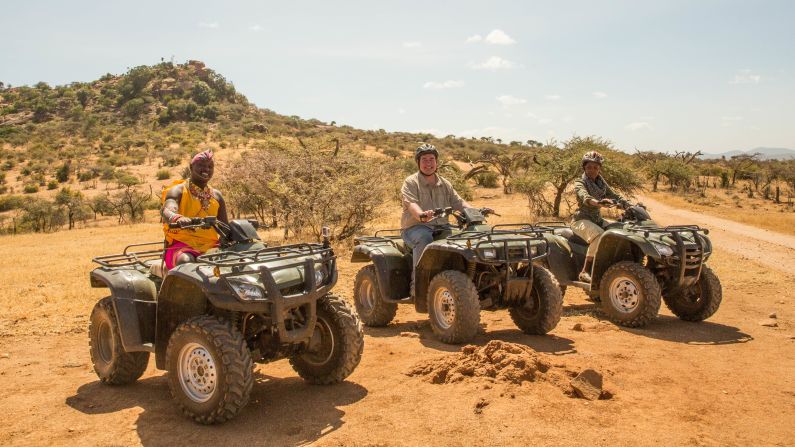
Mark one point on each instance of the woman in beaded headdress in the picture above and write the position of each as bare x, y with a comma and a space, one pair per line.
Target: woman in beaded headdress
192, 198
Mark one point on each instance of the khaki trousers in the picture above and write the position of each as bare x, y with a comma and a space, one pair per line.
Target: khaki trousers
589, 231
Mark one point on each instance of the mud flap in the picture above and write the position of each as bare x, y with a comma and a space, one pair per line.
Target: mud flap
518, 288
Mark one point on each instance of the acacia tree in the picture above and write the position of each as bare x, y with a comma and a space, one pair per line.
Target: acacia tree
308, 185
739, 163
74, 204
505, 164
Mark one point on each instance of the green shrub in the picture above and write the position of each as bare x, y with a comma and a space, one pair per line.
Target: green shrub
52, 184
486, 179
12, 202
163, 174
31, 188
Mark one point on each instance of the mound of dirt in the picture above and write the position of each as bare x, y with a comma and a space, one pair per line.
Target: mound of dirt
502, 361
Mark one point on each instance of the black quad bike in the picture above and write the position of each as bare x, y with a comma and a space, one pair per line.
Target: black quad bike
469, 267
638, 264
208, 321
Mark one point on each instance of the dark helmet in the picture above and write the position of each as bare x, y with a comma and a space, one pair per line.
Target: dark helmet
592, 156
423, 149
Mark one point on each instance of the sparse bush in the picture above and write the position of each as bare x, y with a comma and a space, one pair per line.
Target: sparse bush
52, 184
486, 179
30, 188
163, 174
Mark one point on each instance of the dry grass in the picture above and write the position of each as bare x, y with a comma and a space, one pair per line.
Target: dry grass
734, 205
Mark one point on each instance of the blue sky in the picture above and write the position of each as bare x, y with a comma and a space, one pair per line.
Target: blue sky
662, 75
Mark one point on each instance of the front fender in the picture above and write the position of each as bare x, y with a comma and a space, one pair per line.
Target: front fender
436, 258
616, 246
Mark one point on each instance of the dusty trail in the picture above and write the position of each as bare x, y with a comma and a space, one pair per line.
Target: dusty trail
769, 248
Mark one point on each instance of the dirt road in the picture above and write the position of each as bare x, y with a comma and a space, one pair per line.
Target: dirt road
726, 381
774, 250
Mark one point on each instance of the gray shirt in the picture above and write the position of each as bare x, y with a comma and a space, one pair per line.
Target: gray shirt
439, 195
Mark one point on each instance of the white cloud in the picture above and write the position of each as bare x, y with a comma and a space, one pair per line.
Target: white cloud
443, 84
552, 97
728, 121
746, 77
401, 111
255, 28
508, 100
494, 63
638, 125
412, 44
212, 25
531, 115
599, 95
545, 121
498, 37
475, 38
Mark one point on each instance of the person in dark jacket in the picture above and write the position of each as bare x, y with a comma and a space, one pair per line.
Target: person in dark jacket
593, 194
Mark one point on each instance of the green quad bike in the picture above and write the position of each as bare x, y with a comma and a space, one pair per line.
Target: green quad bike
208, 321
468, 268
636, 265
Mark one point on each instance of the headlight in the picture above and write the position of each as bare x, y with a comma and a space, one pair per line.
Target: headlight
246, 290
663, 249
489, 253
320, 275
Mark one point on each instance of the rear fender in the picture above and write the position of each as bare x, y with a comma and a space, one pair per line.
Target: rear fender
392, 267
435, 259
615, 246
560, 259
133, 294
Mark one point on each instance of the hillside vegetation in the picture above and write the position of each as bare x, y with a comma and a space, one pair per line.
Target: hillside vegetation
80, 153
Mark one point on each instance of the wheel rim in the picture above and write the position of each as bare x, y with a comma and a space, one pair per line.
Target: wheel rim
531, 306
691, 296
444, 308
320, 348
624, 294
198, 374
367, 294
105, 342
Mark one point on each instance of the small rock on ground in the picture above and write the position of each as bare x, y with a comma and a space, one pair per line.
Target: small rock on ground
587, 385
480, 405
770, 322
410, 334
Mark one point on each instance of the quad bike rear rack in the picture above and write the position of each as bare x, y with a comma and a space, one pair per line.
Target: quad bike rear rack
129, 258
689, 258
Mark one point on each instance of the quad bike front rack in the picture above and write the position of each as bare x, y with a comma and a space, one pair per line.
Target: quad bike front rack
689, 258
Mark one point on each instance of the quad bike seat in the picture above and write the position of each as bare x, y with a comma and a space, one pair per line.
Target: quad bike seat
400, 244
568, 234
157, 267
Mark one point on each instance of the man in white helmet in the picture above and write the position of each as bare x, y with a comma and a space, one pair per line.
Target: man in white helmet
422, 192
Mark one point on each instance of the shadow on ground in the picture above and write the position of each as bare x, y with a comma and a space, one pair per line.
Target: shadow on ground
549, 343
281, 411
673, 329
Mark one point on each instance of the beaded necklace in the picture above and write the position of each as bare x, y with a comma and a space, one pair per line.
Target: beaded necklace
204, 195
